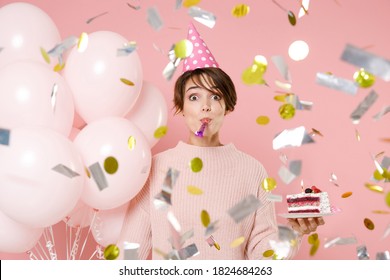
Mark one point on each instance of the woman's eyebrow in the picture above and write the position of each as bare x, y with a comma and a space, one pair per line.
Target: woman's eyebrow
193, 87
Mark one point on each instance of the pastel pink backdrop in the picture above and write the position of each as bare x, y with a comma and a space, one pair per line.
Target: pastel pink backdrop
328, 27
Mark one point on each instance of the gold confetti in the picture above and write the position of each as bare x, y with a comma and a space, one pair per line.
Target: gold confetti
110, 165
374, 188
346, 194
312, 239
194, 190
291, 18
45, 55
268, 253
378, 175
183, 48
216, 245
262, 120
281, 98
205, 218
387, 199
316, 132
83, 42
111, 252
240, 10
314, 248
252, 75
127, 82
189, 3
287, 111
87, 172
363, 78
237, 242
268, 184
160, 132
196, 164
380, 212
357, 135
58, 67
369, 224
131, 143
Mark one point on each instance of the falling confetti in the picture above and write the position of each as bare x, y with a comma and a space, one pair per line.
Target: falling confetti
205, 218
82, 43
240, 10
262, 120
45, 55
387, 199
363, 78
194, 190
244, 208
4, 136
131, 143
286, 111
88, 21
98, 176
291, 18
111, 252
346, 194
237, 242
363, 106
189, 3
183, 48
337, 83
111, 165
160, 132
374, 187
154, 18
204, 17
268, 184
369, 224
268, 253
66, 171
196, 164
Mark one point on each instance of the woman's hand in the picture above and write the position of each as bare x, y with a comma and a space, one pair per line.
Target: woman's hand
306, 225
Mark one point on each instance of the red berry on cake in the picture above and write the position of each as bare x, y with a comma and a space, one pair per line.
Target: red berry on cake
315, 189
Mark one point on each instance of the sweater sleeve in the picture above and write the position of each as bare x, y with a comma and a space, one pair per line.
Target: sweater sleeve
265, 226
136, 227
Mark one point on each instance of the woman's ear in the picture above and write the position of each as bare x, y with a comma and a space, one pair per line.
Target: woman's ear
227, 112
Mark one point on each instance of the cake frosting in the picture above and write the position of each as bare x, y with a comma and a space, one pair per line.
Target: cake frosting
312, 200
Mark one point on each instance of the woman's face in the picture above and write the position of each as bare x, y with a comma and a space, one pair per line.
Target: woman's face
200, 105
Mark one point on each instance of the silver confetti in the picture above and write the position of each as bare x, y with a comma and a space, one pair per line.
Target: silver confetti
383, 112
188, 252
88, 21
274, 197
282, 67
163, 199
362, 108
244, 208
286, 175
66, 44
295, 167
53, 97
385, 162
169, 71
66, 171
154, 18
134, 7
211, 241
337, 83
1, 49
127, 49
340, 241
387, 232
383, 255
211, 228
98, 176
130, 251
184, 237
202, 16
295, 137
4, 136
362, 253
178, 4
374, 64
175, 230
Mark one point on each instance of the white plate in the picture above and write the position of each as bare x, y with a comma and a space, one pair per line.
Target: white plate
333, 211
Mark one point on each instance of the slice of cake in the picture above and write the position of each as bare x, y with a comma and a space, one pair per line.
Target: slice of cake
312, 200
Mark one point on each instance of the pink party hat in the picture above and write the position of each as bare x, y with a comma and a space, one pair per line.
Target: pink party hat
201, 56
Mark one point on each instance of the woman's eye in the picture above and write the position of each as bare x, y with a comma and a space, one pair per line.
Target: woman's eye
193, 97
215, 97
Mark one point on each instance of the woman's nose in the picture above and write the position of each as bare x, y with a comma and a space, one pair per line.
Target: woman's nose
206, 108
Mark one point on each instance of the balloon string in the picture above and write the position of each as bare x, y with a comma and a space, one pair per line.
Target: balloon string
88, 233
32, 255
50, 244
39, 253
75, 244
280, 6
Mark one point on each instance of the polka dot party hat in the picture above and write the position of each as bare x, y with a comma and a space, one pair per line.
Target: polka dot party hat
201, 56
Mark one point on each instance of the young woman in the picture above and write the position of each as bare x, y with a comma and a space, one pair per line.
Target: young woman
203, 199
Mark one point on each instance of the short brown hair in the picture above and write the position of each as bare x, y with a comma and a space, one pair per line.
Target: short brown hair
219, 79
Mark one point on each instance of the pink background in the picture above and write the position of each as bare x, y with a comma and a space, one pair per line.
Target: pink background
328, 27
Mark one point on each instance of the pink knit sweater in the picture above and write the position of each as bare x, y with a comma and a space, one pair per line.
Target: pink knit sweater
227, 177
